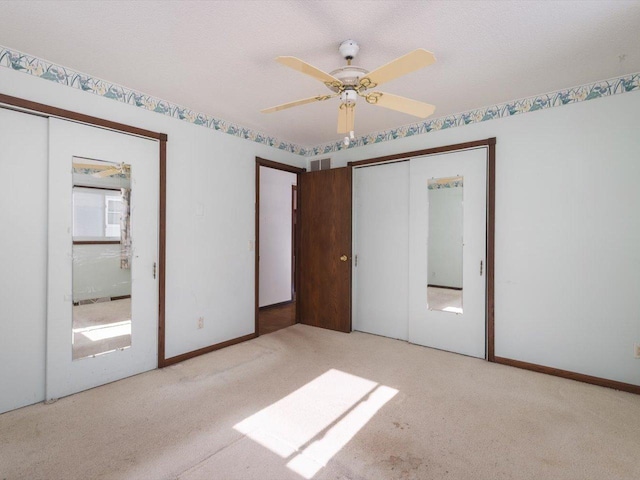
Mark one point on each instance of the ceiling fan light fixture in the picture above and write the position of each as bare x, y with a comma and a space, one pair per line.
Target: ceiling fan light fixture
349, 138
348, 96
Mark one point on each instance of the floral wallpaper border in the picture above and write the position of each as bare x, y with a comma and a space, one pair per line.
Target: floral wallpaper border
38, 67
440, 183
41, 68
590, 91
91, 171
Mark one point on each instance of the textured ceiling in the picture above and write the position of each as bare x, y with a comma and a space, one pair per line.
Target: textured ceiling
218, 57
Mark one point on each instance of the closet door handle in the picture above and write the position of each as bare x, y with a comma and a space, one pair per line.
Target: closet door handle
344, 258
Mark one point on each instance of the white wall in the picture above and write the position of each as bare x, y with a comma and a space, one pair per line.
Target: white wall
567, 227
275, 235
210, 214
567, 232
445, 237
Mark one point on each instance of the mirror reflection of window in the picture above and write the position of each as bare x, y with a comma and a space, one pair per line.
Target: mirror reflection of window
101, 258
113, 215
444, 256
96, 213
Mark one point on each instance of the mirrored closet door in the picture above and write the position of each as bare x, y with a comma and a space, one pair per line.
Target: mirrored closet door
103, 254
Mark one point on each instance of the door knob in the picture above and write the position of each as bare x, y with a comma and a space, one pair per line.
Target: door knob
343, 258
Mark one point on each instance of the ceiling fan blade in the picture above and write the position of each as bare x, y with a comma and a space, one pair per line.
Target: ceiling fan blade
346, 117
113, 170
401, 104
106, 173
307, 69
304, 101
408, 63
93, 166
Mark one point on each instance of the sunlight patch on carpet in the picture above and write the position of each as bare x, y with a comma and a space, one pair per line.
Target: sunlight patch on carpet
310, 425
101, 332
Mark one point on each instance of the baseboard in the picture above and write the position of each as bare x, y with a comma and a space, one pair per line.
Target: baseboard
202, 351
91, 301
580, 377
274, 305
442, 286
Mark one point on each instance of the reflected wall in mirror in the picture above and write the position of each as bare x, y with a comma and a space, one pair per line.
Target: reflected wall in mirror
101, 257
444, 256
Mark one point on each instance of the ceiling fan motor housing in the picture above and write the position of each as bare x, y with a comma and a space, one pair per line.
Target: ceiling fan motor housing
349, 75
349, 49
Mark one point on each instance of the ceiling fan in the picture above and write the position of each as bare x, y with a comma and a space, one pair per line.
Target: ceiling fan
350, 82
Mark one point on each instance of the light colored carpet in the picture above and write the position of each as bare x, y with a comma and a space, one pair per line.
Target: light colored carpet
311, 403
96, 314
101, 327
445, 299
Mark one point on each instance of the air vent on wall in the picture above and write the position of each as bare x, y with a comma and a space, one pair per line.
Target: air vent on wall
320, 164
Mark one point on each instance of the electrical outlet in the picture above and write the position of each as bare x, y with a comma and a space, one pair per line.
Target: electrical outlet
636, 350
200, 322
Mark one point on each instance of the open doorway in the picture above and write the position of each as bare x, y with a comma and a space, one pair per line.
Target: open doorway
276, 245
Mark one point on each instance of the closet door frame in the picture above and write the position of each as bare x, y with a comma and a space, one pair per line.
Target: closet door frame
29, 106
490, 143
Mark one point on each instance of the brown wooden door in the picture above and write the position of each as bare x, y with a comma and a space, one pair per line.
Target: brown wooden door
324, 293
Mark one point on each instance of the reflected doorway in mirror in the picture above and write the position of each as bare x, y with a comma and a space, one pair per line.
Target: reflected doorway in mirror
445, 242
